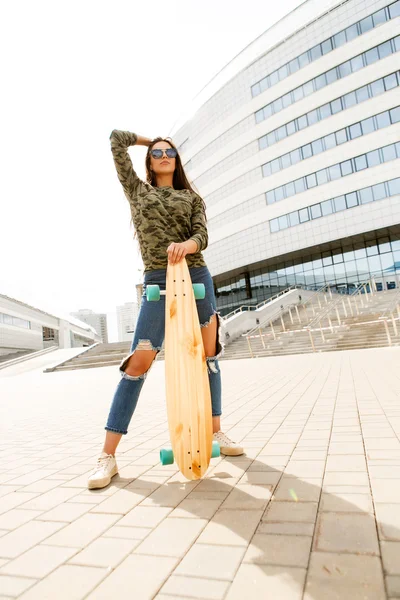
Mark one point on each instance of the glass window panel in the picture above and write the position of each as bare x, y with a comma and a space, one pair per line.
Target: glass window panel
366, 24
377, 87
350, 99
283, 222
346, 167
291, 128
326, 207
394, 186
366, 195
368, 125
279, 194
322, 176
308, 88
286, 100
270, 197
298, 94
379, 191
384, 247
351, 32
394, 9
390, 81
339, 39
280, 133
355, 130
266, 169
320, 81
398, 149
373, 158
262, 143
351, 200
274, 225
383, 119
317, 146
396, 43
312, 117
273, 78
334, 172
267, 111
374, 263
341, 136
325, 111
317, 263
303, 59
299, 185
303, 215
362, 94
290, 189
395, 114
338, 258
264, 84
285, 161
379, 17
316, 52
306, 151
371, 248
316, 212
302, 122
345, 69
331, 75
271, 138
384, 49
339, 203
336, 106
360, 162
326, 46
295, 156
357, 63
371, 56
259, 116
311, 180
255, 89
282, 72
277, 105
294, 218
330, 141
294, 65
389, 153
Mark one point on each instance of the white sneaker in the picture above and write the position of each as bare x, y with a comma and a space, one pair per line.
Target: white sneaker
226, 445
104, 470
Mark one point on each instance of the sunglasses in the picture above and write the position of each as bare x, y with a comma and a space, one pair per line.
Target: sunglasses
158, 153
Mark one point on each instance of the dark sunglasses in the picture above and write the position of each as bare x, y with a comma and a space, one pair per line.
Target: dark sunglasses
158, 153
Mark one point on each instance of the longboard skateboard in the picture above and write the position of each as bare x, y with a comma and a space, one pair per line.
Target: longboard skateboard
186, 377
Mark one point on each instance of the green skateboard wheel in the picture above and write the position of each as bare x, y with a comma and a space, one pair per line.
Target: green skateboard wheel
153, 293
166, 456
215, 452
199, 291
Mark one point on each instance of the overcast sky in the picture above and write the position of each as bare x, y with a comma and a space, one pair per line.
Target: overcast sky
70, 73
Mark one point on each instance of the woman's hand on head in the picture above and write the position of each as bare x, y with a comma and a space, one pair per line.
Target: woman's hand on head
177, 251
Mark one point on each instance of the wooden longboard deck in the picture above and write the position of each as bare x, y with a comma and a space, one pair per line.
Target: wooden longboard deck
187, 386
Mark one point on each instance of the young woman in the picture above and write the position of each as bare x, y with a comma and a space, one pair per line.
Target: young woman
169, 218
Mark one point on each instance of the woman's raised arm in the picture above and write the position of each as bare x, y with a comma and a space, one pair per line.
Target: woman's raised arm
120, 142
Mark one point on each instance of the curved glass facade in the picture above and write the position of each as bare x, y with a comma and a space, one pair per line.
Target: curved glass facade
297, 156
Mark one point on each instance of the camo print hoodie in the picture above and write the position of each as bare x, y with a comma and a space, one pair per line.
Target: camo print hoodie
161, 215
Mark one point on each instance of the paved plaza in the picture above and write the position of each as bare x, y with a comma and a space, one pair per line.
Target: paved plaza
311, 511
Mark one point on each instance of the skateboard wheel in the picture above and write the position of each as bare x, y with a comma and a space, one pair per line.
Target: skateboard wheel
199, 291
215, 452
153, 293
166, 456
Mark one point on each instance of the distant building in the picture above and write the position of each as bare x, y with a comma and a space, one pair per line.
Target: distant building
96, 320
24, 327
126, 317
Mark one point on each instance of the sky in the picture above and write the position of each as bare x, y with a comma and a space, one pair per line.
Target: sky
72, 72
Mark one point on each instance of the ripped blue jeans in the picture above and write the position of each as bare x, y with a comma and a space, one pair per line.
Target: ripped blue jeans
149, 335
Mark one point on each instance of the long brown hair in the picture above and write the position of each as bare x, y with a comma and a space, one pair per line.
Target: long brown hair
179, 180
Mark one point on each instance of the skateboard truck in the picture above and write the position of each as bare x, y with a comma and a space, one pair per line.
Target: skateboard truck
153, 292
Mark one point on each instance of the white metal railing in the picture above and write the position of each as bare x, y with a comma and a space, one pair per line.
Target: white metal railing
245, 308
388, 314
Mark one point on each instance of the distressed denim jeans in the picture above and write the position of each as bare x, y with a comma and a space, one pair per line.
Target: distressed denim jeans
149, 335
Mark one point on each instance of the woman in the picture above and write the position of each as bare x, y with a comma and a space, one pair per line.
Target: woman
169, 218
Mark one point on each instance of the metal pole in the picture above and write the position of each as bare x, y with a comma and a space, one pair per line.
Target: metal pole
350, 306
273, 330
250, 349
337, 315
290, 315
387, 332
394, 324
283, 324
298, 314
261, 336
311, 340
330, 324
344, 309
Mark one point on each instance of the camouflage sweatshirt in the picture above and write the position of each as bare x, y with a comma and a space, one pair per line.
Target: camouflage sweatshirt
161, 215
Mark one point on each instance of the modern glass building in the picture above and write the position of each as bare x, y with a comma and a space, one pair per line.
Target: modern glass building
295, 148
